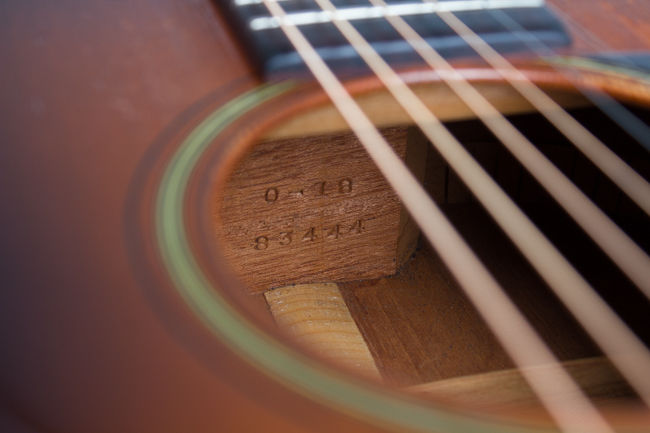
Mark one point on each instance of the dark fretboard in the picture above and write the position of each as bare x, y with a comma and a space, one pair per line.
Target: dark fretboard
273, 55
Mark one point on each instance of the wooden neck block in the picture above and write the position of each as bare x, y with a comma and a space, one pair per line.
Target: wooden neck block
316, 209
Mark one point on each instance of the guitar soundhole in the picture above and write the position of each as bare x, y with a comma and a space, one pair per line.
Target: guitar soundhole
310, 224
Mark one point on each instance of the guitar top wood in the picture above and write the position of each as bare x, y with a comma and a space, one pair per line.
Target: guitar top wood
90, 341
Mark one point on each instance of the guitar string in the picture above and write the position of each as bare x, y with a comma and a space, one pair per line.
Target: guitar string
612, 108
612, 335
616, 111
357, 12
489, 115
556, 389
635, 186
608, 105
612, 240
616, 244
626, 178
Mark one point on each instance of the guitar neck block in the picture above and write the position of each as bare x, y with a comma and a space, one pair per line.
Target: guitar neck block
316, 209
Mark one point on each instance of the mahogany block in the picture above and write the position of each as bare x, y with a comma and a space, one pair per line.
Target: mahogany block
314, 209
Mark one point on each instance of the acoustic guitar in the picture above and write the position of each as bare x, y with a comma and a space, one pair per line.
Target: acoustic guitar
198, 237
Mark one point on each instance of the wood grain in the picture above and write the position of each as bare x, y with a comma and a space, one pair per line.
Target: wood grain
87, 88
316, 315
417, 147
314, 209
508, 389
421, 328
607, 25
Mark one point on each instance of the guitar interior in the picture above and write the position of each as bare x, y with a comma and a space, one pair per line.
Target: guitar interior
413, 328
422, 330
